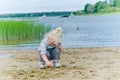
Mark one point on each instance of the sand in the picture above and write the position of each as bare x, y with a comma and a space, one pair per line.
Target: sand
76, 64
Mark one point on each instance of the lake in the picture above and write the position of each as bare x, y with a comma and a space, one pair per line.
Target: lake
83, 31
87, 31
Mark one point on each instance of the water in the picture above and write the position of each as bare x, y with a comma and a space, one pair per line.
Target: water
5, 55
82, 31
88, 31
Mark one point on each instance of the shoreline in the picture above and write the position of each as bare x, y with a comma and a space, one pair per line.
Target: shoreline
95, 63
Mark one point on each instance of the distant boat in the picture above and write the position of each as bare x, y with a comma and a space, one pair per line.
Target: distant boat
65, 16
71, 15
44, 16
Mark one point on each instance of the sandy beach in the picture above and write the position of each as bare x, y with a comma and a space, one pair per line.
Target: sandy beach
76, 64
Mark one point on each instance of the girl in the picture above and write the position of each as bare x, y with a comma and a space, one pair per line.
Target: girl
50, 49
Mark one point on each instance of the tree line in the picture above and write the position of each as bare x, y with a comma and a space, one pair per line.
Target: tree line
100, 7
37, 14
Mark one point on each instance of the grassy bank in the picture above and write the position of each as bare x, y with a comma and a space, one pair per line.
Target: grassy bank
16, 31
104, 11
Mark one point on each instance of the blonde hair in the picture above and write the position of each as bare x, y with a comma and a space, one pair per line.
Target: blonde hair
55, 36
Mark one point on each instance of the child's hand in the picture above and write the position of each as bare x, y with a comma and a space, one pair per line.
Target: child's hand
49, 64
60, 47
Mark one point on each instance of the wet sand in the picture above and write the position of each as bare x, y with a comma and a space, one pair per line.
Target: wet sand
76, 64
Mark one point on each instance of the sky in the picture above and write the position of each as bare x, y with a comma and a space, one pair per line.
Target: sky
26, 6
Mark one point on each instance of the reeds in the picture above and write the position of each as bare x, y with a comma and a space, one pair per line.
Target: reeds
11, 31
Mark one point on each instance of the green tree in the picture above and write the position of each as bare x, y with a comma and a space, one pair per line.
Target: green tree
89, 8
101, 5
116, 3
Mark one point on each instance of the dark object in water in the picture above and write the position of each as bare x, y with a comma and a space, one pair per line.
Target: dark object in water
65, 16
77, 28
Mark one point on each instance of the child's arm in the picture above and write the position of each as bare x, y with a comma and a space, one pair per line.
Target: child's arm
48, 63
42, 49
59, 46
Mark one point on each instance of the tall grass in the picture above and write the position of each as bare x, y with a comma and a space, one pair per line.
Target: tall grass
16, 31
